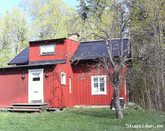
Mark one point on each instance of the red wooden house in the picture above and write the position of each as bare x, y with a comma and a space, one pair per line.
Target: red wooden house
57, 72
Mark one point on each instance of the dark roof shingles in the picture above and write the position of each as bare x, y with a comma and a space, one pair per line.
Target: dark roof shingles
21, 59
97, 49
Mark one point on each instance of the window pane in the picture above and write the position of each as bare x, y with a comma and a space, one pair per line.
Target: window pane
36, 79
102, 84
102, 80
96, 89
95, 80
102, 89
96, 85
63, 78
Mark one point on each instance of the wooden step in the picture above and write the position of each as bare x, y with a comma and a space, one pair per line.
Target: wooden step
29, 104
29, 107
8, 107
25, 110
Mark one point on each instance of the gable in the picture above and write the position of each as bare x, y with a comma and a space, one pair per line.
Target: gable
50, 49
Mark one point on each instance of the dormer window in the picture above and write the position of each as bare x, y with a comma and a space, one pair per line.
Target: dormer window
47, 49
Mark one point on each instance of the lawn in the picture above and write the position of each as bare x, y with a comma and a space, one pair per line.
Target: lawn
81, 119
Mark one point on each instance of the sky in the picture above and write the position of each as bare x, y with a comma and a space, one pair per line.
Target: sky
8, 4
72, 3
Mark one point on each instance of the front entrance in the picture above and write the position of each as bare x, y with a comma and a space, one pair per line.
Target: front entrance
35, 86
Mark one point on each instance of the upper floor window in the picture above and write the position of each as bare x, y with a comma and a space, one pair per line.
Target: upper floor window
47, 49
98, 85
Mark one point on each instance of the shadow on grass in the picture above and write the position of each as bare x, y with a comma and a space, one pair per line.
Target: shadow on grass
104, 113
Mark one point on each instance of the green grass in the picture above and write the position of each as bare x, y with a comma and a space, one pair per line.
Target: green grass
101, 119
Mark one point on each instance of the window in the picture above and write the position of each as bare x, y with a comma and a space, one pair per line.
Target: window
36, 76
63, 78
98, 85
36, 79
47, 49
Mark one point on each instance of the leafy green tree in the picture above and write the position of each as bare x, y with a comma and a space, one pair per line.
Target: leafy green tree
147, 79
49, 18
13, 33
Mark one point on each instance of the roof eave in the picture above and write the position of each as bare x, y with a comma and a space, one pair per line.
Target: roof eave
48, 40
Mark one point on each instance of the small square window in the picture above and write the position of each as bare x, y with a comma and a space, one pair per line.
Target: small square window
47, 49
98, 85
63, 78
36, 79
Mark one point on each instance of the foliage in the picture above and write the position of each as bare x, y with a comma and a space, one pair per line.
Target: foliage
13, 33
102, 18
147, 78
49, 18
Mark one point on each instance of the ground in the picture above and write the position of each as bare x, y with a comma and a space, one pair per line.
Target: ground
95, 119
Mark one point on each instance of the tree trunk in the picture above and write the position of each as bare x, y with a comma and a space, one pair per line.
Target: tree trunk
117, 81
118, 109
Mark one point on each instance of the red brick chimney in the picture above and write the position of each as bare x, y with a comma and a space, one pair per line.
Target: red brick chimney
71, 44
74, 36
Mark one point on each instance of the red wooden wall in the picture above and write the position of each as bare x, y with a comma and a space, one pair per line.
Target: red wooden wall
82, 87
62, 50
56, 94
13, 89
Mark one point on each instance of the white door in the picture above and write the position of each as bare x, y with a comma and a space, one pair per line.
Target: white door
35, 86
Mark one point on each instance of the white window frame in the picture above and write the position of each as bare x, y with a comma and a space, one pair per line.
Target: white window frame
105, 85
63, 78
46, 51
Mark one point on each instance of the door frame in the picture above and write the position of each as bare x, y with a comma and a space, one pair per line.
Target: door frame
42, 90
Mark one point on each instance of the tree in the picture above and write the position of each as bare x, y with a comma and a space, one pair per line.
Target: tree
48, 17
108, 20
147, 77
13, 33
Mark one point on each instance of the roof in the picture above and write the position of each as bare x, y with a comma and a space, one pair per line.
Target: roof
37, 64
97, 49
21, 58
44, 62
86, 51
